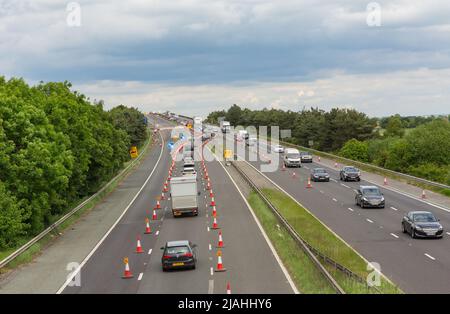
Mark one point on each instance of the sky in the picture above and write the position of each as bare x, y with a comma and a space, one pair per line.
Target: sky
195, 56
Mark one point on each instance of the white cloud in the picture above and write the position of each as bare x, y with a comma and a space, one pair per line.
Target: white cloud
422, 91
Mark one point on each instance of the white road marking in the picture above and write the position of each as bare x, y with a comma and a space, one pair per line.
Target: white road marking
333, 180
306, 167
344, 185
150, 251
207, 228
334, 199
211, 271
394, 235
448, 233
369, 220
210, 247
321, 191
429, 256
394, 208
157, 232
74, 273
140, 276
350, 209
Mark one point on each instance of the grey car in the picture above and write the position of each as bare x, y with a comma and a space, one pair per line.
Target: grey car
369, 196
179, 255
422, 224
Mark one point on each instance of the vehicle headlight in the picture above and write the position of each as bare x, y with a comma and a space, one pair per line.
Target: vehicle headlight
440, 228
365, 199
326, 176
418, 227
359, 173
315, 176
382, 199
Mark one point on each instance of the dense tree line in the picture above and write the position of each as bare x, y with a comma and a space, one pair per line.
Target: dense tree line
315, 128
55, 148
423, 152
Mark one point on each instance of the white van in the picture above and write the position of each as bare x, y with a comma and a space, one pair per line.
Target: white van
291, 158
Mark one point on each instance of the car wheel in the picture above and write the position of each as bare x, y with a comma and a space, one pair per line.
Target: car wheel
362, 205
359, 179
403, 228
413, 233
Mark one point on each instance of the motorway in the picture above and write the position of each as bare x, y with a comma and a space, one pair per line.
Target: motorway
416, 265
252, 266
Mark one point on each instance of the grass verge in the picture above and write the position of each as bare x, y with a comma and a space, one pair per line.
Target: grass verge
321, 238
28, 255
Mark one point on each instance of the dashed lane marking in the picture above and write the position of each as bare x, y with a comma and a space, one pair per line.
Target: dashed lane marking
393, 208
394, 235
140, 276
369, 220
350, 209
150, 251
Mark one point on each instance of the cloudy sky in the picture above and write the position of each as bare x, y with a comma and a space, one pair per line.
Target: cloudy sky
194, 56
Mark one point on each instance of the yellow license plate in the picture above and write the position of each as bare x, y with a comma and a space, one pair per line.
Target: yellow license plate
178, 264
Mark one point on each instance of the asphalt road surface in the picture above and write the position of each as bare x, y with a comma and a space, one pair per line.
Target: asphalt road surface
250, 263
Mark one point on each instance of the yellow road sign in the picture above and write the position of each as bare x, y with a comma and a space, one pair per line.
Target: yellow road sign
134, 152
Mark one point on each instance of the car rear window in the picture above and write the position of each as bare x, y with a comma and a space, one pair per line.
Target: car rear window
177, 250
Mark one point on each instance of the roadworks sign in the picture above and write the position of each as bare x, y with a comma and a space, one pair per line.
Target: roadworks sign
134, 152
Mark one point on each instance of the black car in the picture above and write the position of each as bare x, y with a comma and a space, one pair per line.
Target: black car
350, 173
306, 157
179, 255
369, 196
320, 174
422, 224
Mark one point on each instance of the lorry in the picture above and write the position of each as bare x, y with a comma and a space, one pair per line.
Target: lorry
184, 195
291, 158
225, 126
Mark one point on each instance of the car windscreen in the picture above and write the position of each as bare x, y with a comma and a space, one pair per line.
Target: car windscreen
305, 154
292, 156
320, 171
176, 250
350, 169
424, 217
371, 191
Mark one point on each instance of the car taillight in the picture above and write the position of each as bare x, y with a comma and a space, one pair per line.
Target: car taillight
188, 254
166, 256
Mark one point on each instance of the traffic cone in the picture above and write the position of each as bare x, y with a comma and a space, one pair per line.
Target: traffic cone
219, 267
220, 243
127, 273
385, 181
147, 226
211, 194
213, 202
208, 186
158, 205
424, 196
214, 213
319, 158
294, 175
206, 175
215, 226
139, 246
162, 196
283, 168
308, 186
335, 165
228, 288
165, 188
154, 217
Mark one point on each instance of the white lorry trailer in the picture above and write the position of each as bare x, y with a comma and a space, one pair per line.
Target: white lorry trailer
225, 126
184, 195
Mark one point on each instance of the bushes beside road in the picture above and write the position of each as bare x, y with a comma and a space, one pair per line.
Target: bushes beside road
55, 148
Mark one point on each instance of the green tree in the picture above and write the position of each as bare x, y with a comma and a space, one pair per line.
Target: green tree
356, 150
394, 126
